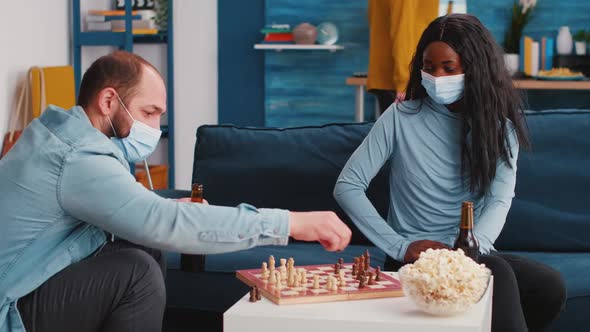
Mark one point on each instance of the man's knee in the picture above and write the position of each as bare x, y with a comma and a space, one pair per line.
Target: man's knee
147, 274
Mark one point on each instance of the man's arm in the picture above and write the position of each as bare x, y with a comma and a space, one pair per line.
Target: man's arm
99, 190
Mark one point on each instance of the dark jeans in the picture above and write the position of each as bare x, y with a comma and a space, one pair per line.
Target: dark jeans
118, 288
526, 293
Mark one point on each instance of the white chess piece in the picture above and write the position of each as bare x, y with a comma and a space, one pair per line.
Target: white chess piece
283, 267
264, 271
272, 277
316, 282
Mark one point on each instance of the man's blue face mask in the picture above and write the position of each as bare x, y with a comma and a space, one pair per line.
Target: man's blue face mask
444, 90
140, 143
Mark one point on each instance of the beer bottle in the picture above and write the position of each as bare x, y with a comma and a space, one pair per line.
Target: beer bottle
194, 263
197, 193
466, 240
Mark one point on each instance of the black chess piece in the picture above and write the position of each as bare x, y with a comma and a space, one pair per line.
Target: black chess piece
253, 295
258, 295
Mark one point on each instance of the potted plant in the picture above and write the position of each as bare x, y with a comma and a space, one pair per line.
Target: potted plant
580, 38
521, 15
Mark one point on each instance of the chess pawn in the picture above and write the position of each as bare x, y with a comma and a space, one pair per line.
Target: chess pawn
354, 269
342, 281
272, 277
258, 295
283, 267
336, 268
316, 282
378, 273
329, 283
371, 279
362, 282
279, 284
297, 280
334, 284
252, 295
264, 271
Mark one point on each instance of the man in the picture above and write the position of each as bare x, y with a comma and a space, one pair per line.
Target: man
66, 183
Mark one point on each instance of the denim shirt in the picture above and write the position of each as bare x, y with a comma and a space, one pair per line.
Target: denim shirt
65, 183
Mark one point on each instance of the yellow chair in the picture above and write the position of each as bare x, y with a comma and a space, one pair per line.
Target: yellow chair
52, 85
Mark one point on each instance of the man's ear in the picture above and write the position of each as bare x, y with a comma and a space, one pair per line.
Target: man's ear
107, 101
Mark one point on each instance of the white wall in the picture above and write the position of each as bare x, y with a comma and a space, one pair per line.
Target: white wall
195, 73
42, 37
32, 33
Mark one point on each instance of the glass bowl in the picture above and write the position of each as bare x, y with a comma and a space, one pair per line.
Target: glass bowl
431, 295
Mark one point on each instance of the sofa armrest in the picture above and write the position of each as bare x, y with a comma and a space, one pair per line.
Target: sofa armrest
188, 263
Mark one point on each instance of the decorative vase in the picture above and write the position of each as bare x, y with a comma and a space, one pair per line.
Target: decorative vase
565, 42
511, 61
580, 48
305, 34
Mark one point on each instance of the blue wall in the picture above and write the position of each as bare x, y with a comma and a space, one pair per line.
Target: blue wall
547, 17
308, 87
240, 67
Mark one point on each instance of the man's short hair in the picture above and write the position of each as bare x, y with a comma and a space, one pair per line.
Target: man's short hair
119, 70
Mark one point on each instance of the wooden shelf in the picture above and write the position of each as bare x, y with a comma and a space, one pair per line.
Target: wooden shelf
551, 85
519, 84
296, 47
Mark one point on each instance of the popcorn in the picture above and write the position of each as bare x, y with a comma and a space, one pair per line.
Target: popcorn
444, 281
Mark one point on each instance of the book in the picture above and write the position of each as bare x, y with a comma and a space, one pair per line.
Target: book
99, 12
549, 52
534, 58
136, 24
105, 18
278, 37
526, 46
140, 31
98, 26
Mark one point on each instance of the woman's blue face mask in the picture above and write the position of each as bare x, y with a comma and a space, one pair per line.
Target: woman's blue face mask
444, 90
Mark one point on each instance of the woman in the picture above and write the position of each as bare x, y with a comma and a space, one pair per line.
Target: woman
455, 138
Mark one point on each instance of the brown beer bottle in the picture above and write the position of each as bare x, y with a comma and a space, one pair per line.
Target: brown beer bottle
197, 193
466, 240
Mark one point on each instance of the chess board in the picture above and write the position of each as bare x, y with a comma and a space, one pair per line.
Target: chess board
386, 287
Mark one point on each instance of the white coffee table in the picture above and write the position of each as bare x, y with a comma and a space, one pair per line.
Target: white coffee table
390, 314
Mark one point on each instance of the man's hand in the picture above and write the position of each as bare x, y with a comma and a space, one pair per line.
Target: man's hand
416, 247
324, 227
188, 200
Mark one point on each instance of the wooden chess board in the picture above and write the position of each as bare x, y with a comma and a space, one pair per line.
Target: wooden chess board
386, 287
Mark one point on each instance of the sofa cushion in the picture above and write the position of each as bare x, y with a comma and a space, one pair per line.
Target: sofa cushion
293, 168
551, 210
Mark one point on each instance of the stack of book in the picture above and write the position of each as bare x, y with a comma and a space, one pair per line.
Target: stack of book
277, 34
114, 20
536, 55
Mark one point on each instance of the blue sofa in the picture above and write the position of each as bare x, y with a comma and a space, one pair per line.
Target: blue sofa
297, 168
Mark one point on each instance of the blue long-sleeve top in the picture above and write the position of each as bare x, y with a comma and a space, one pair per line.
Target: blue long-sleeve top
422, 140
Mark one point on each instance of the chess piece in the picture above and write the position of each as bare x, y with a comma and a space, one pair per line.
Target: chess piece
258, 295
371, 279
340, 261
252, 295
336, 268
362, 281
279, 284
367, 259
264, 271
271, 262
342, 281
283, 267
354, 269
291, 263
291, 280
334, 284
316, 282
378, 273
272, 277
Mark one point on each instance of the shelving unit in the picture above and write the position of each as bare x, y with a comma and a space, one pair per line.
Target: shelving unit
296, 47
125, 41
